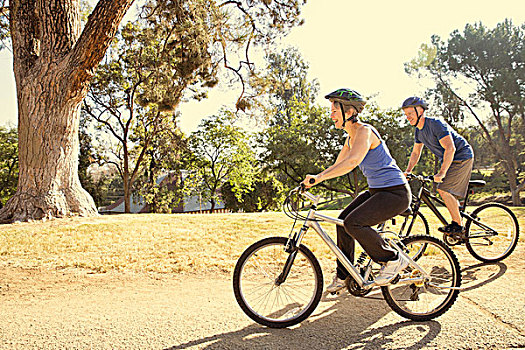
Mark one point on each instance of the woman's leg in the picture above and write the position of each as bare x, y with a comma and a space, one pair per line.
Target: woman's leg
345, 242
381, 206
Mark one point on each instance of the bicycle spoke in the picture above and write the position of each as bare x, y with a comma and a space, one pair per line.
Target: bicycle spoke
267, 302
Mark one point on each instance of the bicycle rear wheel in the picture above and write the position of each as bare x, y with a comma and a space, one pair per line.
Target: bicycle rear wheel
495, 235
263, 299
423, 301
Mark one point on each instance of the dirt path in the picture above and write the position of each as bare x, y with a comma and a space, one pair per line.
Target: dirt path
75, 310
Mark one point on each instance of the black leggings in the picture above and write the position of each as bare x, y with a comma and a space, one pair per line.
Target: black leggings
370, 208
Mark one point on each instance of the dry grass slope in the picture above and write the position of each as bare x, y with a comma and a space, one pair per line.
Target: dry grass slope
198, 243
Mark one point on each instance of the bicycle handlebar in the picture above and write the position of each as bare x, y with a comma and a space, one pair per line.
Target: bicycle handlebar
421, 178
301, 189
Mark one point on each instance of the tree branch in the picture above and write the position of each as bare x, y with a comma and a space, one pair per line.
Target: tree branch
95, 39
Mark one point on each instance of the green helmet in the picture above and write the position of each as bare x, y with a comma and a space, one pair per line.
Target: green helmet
348, 97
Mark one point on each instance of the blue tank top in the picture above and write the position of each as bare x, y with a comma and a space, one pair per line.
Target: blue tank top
379, 168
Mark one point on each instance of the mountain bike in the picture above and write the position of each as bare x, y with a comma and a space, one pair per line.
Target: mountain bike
491, 231
278, 281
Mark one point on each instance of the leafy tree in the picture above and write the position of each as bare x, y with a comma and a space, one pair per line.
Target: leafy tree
491, 62
55, 59
309, 144
169, 53
222, 154
283, 82
133, 95
8, 163
266, 194
166, 159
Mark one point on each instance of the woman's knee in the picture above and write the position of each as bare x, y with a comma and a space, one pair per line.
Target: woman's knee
353, 222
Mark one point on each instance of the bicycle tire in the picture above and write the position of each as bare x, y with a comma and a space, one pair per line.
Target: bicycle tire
506, 221
242, 272
396, 296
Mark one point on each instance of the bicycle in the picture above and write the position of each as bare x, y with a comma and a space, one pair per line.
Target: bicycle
491, 231
278, 281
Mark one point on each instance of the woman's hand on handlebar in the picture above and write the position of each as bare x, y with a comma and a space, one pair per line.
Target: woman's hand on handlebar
310, 180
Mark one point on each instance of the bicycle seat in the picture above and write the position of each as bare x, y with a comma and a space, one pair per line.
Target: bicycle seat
407, 212
476, 183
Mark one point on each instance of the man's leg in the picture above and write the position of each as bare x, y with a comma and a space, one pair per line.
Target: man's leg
452, 205
454, 186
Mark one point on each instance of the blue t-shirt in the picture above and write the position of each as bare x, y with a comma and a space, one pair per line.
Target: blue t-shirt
434, 130
379, 168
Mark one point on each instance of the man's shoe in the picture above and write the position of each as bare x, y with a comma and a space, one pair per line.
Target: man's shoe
390, 270
452, 228
336, 285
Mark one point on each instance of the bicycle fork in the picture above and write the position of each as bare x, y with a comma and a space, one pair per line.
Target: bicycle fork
291, 247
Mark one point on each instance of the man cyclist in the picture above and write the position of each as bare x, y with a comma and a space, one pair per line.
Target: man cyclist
453, 151
388, 194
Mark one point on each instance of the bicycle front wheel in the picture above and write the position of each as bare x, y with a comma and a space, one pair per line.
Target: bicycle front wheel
494, 233
426, 299
268, 302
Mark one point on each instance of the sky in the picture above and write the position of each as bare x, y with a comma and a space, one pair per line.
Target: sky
359, 45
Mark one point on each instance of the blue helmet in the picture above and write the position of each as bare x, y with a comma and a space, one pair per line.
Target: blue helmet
415, 101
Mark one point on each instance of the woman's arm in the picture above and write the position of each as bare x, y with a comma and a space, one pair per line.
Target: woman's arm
343, 153
348, 161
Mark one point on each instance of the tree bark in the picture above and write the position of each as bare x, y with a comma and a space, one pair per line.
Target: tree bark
53, 64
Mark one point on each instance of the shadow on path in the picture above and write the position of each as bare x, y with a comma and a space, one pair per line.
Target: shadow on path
346, 324
478, 275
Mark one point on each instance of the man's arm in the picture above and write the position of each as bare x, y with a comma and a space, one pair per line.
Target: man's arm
414, 157
450, 149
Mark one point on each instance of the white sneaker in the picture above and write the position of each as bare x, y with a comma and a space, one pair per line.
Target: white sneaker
390, 270
336, 285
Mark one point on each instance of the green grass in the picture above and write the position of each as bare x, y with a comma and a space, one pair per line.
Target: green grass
196, 243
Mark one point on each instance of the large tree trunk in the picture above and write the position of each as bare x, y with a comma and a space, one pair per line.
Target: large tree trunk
53, 64
48, 184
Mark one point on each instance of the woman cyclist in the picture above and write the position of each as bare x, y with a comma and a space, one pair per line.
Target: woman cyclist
388, 192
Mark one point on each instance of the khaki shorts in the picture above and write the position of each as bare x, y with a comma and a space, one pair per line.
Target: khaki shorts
457, 178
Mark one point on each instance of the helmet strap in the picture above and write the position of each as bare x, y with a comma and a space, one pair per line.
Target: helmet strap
343, 113
418, 116
352, 118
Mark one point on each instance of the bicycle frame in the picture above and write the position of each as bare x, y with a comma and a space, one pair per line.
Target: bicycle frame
311, 222
427, 197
